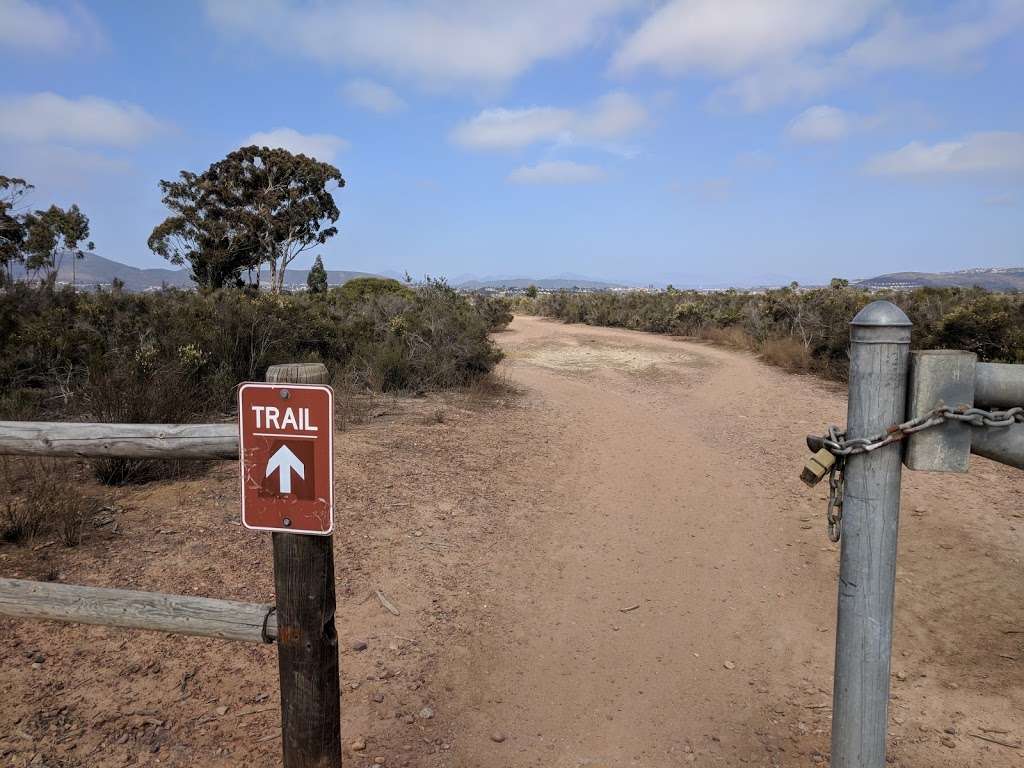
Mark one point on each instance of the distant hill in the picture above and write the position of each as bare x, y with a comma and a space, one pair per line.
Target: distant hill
686, 280
569, 280
93, 270
96, 270
999, 279
473, 283
295, 277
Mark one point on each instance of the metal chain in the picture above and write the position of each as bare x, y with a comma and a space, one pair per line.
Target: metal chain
834, 512
835, 442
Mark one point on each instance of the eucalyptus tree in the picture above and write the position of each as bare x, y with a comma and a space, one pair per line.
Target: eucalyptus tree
12, 224
200, 232
50, 236
259, 205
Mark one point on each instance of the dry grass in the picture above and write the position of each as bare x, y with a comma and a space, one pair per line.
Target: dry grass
42, 497
120, 470
731, 336
352, 403
787, 353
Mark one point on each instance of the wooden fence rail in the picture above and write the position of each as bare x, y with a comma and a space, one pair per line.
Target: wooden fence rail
303, 577
180, 614
134, 441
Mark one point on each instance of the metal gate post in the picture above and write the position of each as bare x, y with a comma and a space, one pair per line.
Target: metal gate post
879, 358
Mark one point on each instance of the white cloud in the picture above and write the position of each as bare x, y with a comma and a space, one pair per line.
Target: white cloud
613, 116
509, 128
56, 167
26, 25
771, 52
557, 172
322, 146
436, 42
616, 115
940, 42
30, 26
728, 36
372, 96
823, 123
946, 41
778, 83
820, 123
992, 152
42, 117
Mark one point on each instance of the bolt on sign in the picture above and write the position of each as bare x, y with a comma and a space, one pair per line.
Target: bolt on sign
286, 445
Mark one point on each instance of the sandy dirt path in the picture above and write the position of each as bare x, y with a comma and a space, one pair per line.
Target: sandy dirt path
674, 600
615, 565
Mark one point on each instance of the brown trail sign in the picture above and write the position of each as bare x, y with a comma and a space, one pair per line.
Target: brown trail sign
286, 449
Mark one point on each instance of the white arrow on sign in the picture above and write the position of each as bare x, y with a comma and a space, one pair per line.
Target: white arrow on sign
285, 462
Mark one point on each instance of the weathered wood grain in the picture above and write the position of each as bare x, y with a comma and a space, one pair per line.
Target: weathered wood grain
180, 614
297, 373
136, 441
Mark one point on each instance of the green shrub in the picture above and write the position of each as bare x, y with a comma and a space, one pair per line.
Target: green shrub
361, 288
177, 356
804, 329
496, 311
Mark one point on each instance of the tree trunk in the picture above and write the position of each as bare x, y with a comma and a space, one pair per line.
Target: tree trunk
272, 261
282, 264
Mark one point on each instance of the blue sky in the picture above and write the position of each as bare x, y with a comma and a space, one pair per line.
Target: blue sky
688, 141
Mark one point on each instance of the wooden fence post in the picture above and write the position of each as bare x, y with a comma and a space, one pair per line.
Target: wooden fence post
307, 641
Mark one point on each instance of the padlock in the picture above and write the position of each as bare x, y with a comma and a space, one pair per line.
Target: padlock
817, 467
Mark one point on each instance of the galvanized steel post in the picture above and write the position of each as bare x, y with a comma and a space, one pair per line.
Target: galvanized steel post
879, 358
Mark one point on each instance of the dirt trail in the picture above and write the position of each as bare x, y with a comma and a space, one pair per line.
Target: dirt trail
674, 599
616, 566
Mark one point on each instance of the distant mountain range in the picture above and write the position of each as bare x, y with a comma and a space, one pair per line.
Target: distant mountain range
565, 280
999, 279
93, 270
96, 270
571, 280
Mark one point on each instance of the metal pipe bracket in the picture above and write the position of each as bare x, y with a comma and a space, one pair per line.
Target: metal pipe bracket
940, 377
956, 379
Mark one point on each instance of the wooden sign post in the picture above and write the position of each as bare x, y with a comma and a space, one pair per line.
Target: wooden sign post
307, 641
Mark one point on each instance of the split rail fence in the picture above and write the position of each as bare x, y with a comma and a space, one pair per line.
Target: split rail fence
301, 622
